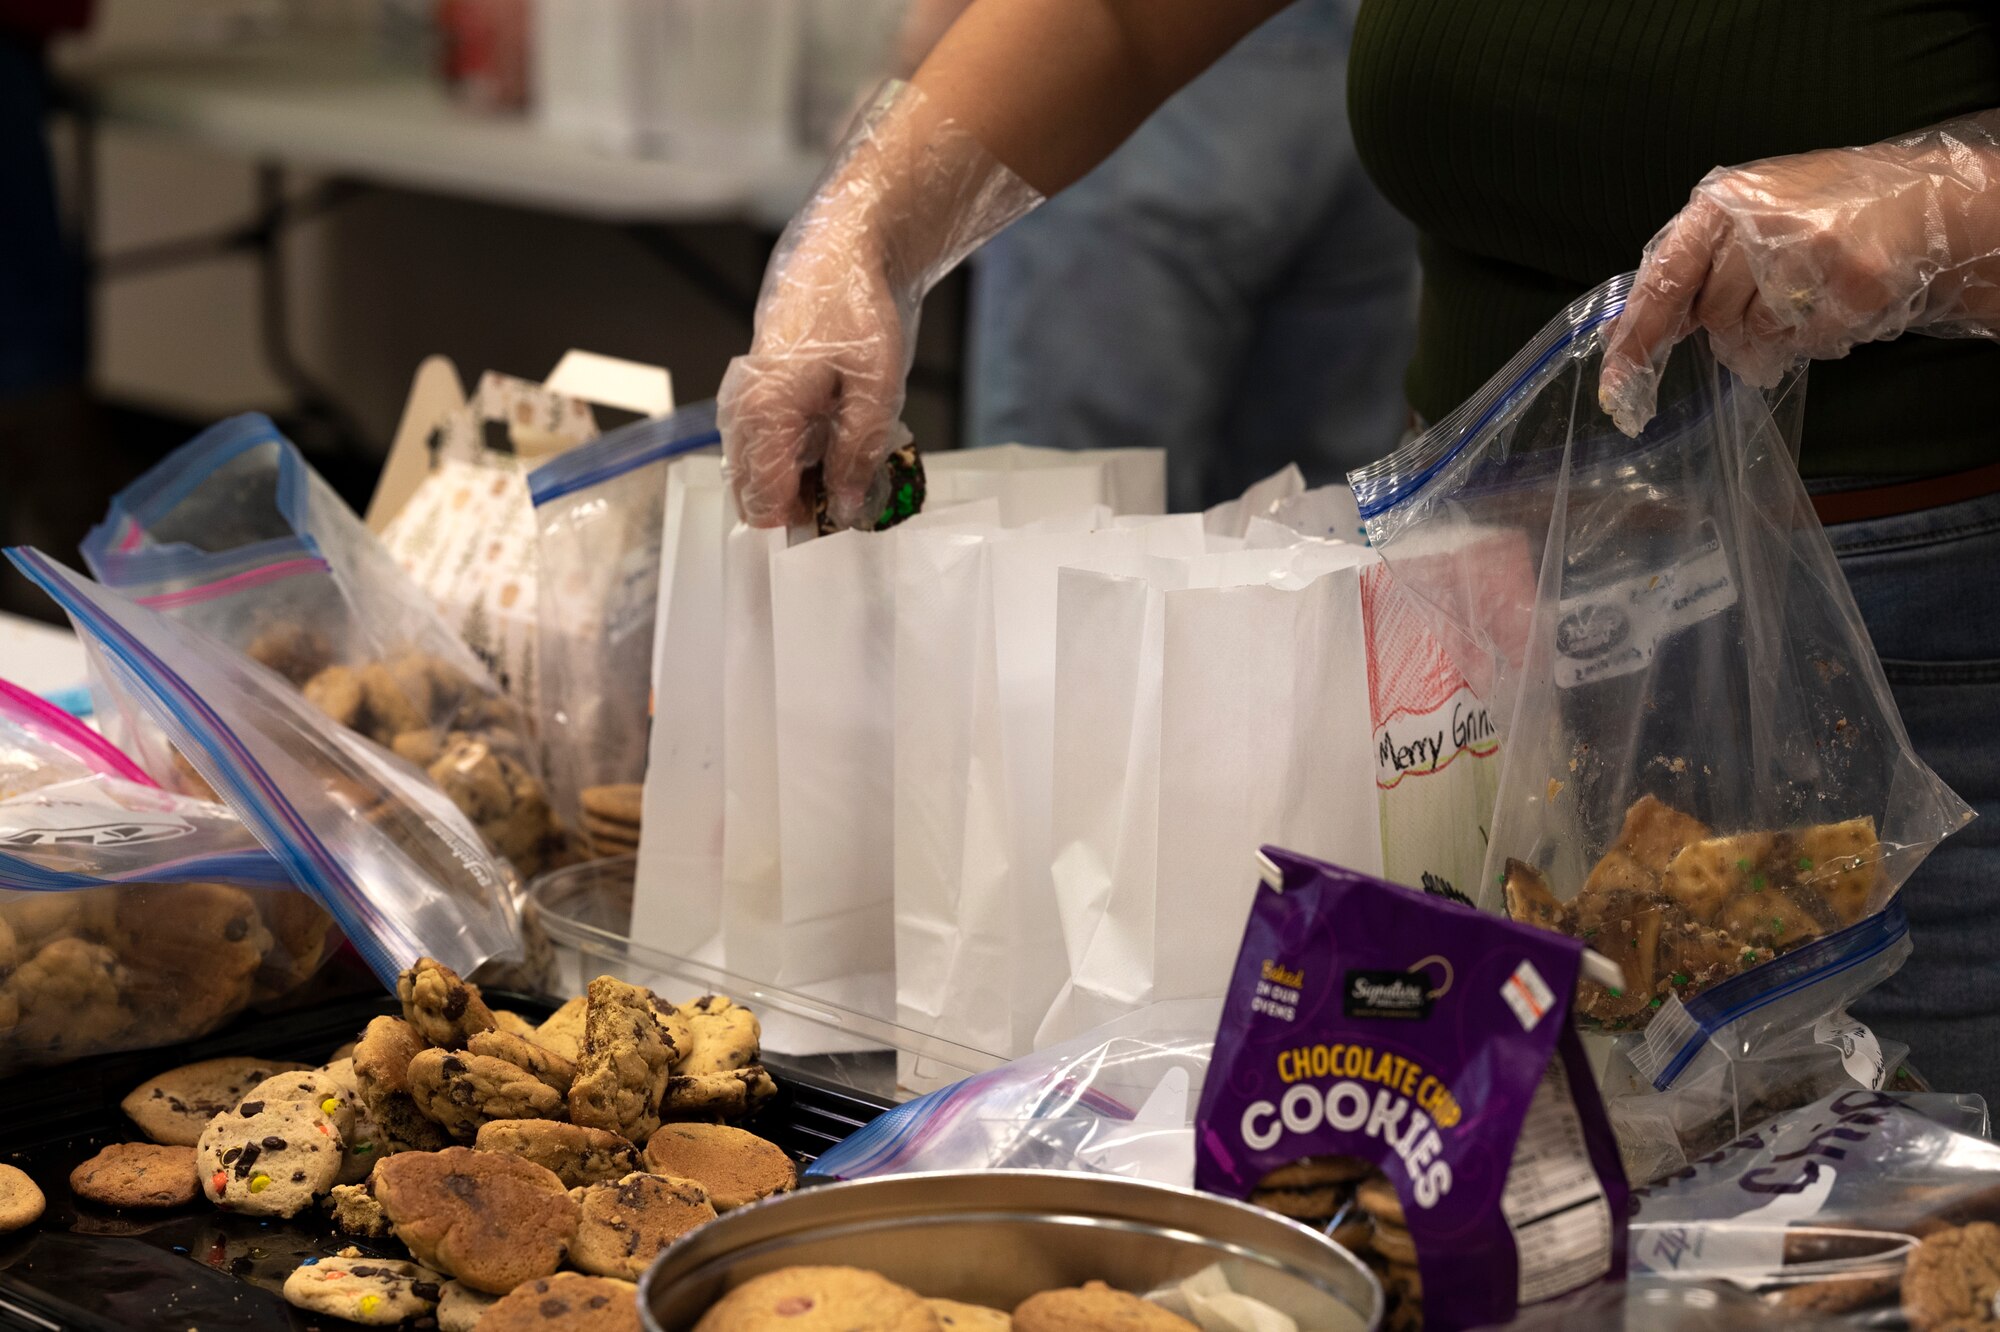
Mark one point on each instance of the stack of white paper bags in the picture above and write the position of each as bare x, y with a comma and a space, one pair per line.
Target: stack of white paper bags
998, 773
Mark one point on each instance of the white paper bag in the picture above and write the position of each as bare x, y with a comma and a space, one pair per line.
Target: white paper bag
1037, 483
677, 899
1207, 707
979, 949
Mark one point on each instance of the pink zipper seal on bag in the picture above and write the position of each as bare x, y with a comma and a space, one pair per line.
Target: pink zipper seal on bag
44, 717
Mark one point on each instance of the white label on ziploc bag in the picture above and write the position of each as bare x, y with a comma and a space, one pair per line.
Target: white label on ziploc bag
1527, 994
1860, 1051
1553, 1201
1614, 630
31, 824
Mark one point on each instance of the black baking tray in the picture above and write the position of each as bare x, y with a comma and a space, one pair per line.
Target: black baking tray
99, 1269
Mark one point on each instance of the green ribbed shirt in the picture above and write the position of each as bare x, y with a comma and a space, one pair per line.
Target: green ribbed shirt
1539, 144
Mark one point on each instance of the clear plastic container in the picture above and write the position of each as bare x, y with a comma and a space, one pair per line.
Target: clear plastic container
586, 910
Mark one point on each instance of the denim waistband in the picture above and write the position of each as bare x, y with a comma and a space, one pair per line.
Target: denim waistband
1926, 527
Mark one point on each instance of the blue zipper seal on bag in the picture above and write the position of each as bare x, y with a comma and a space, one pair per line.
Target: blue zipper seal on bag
163, 489
1383, 485
1825, 957
304, 857
625, 449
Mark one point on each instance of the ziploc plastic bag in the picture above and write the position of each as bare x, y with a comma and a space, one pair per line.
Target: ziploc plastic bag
1702, 767
1821, 1209
598, 523
1118, 1100
119, 924
76, 813
366, 834
235, 535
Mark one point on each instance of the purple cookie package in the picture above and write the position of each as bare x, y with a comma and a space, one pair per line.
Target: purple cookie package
1434, 1041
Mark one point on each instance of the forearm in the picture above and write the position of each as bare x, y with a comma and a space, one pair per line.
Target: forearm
1050, 87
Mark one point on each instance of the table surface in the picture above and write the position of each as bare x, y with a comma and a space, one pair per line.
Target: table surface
398, 127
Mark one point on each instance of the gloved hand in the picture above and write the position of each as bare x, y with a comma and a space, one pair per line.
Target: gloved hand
1806, 256
908, 196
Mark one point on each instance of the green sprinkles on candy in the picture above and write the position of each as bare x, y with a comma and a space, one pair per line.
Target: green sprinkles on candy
1777, 925
1805, 862
1614, 992
1590, 933
1654, 1004
1680, 978
1756, 883
1744, 865
1749, 955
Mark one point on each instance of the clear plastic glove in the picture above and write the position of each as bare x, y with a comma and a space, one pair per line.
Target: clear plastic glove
1807, 256
908, 196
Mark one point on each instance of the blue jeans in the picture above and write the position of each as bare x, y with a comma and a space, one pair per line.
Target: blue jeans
1925, 583
1229, 284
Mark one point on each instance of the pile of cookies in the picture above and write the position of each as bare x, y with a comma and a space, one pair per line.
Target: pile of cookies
1680, 908
468, 738
498, 1151
104, 969
852, 1297
611, 818
1356, 1205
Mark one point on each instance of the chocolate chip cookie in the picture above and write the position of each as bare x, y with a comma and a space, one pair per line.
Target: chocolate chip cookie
268, 1160
382, 1068
175, 1106
137, 1174
578, 1155
378, 1292
355, 1211
463, 1091
460, 1307
969, 1317
440, 1007
724, 1036
1952, 1280
734, 1167
567, 1302
1094, 1307
309, 1086
819, 1299
21, 1200
734, 1095
563, 1032
491, 1220
625, 1225
626, 1057
545, 1064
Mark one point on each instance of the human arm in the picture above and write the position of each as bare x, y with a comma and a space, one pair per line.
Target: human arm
1809, 255
1018, 99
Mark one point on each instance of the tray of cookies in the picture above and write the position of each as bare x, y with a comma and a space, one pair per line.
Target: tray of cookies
405, 1161
1050, 1250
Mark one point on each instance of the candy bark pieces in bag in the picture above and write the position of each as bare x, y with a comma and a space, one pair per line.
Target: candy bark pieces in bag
1820, 1207
1117, 1100
598, 521
1705, 1072
1213, 703
372, 841
1371, 1027
979, 951
1702, 766
237, 536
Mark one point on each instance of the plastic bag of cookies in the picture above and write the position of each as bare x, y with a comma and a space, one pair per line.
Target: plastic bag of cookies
1847, 1208
1703, 766
1401, 1071
370, 837
234, 534
599, 515
117, 928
